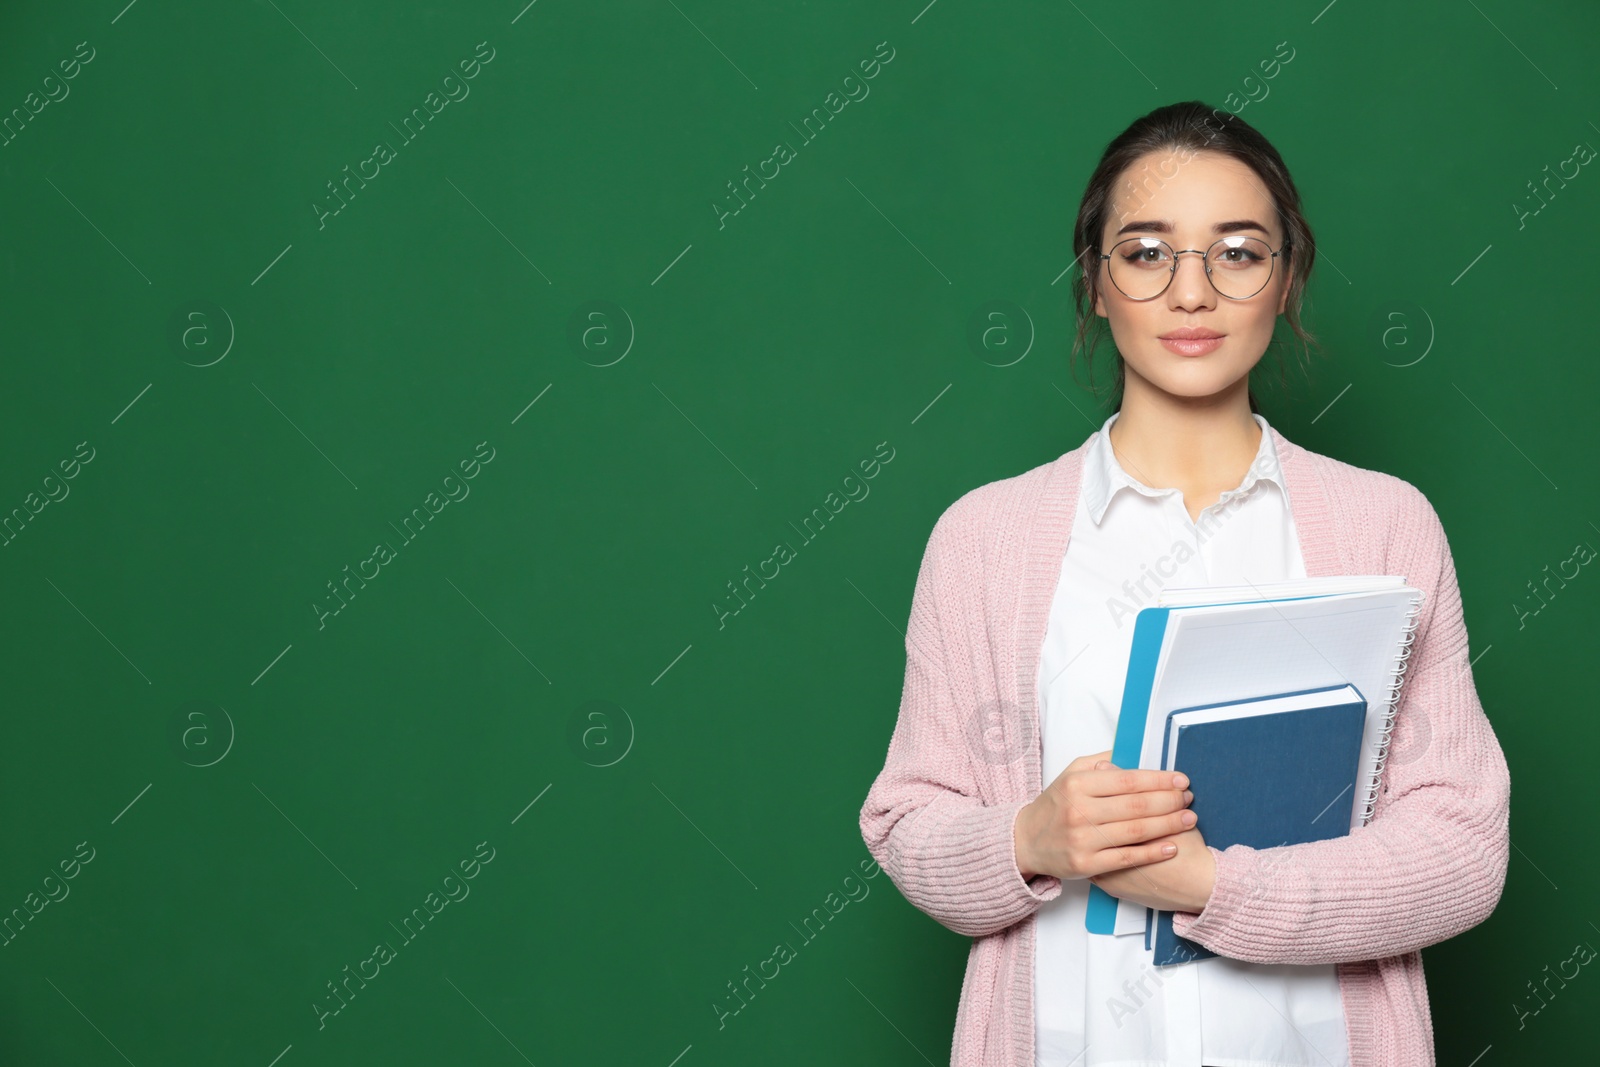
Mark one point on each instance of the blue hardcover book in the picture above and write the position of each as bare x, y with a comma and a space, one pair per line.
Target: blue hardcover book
1278, 770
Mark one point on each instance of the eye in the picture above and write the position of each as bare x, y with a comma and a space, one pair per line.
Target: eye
1240, 253
1146, 256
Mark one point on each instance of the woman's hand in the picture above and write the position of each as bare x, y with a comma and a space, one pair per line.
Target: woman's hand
1096, 818
1183, 883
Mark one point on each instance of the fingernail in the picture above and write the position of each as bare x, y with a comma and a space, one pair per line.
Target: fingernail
1188, 796
1169, 849
1180, 781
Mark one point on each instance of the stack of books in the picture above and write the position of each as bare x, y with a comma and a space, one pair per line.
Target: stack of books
1277, 701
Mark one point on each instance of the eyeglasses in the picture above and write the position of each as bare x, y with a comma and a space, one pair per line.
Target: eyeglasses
1142, 267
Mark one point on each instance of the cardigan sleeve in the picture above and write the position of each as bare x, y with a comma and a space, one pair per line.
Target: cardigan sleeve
925, 820
1431, 863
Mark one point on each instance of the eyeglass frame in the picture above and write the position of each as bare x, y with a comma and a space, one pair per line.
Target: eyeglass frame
1205, 261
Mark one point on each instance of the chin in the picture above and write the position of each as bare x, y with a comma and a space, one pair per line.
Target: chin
1197, 383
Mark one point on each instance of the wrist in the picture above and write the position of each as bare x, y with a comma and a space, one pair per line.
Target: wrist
1208, 881
1020, 836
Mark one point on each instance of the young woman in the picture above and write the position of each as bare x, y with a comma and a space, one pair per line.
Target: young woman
997, 806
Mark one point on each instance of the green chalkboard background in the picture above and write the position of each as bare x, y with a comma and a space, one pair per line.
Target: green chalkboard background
543, 355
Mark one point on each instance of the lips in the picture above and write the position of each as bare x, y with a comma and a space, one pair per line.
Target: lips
1192, 346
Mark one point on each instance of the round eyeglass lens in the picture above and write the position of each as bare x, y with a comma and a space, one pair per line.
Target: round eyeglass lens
1142, 267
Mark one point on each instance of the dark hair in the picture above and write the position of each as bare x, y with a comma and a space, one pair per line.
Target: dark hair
1185, 128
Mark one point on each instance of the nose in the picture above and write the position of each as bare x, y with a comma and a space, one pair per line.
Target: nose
1190, 286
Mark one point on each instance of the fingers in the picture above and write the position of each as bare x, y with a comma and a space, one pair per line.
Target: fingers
1133, 819
1112, 827
1083, 763
1097, 846
1123, 806
1123, 781
1110, 818
1111, 781
1118, 859
1141, 831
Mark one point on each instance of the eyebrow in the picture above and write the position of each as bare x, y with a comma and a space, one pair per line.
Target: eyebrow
1163, 226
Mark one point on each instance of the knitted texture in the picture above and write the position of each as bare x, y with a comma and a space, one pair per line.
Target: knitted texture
964, 758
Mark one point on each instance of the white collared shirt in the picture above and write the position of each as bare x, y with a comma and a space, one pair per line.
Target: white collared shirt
1098, 1002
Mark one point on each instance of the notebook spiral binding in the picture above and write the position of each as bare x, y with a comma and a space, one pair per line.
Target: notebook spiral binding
1391, 699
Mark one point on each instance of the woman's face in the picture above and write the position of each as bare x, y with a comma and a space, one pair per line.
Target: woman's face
1184, 204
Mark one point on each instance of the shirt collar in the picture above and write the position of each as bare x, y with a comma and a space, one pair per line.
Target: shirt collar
1103, 476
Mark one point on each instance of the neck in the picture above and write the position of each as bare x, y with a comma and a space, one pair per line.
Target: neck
1169, 441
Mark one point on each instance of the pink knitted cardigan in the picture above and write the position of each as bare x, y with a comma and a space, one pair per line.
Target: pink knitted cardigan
964, 758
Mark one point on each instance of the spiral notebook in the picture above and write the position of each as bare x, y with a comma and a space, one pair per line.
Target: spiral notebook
1210, 644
